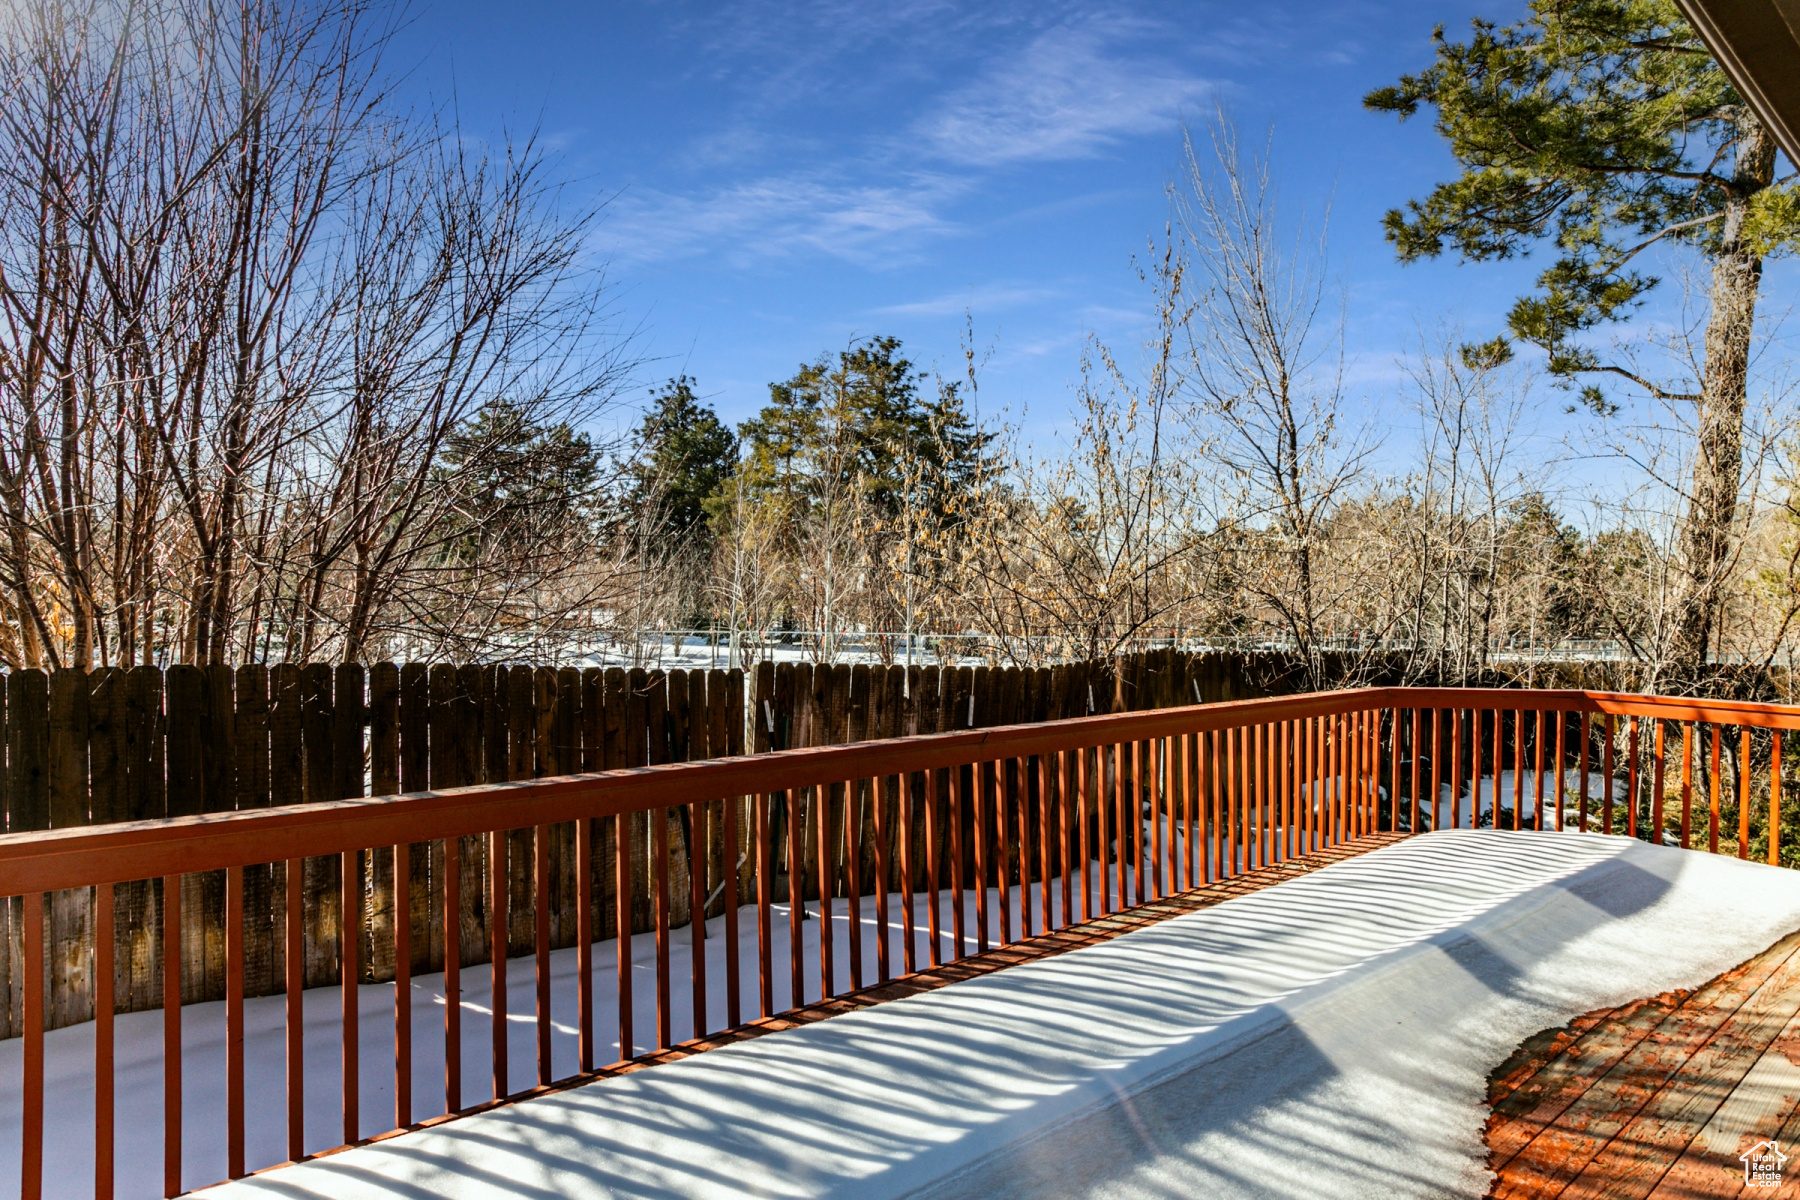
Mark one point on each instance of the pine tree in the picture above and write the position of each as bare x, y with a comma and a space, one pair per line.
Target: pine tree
1604, 128
520, 481
864, 417
684, 456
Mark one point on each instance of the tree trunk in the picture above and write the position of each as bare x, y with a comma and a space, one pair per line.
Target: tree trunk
1709, 528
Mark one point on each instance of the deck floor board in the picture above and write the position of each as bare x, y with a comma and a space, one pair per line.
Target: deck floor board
1767, 1098
1655, 1098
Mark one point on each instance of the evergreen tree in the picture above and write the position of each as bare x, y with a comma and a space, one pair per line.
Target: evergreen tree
866, 419
1603, 128
684, 456
520, 482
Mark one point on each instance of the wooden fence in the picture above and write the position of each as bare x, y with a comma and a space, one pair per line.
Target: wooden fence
104, 745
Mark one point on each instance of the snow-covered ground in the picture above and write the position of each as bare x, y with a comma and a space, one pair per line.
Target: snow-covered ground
1454, 813
700, 651
1329, 1037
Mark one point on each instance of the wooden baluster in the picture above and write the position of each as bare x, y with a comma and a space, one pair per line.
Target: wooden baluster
171, 946
733, 984
977, 776
1631, 776
349, 977
765, 901
497, 928
1063, 821
853, 882
1714, 779
1586, 785
234, 1022
1687, 781
1775, 798
1606, 802
827, 888
540, 876
909, 951
1656, 782
659, 857
622, 932
452, 863
31, 1095
879, 831
403, 1066
957, 942
584, 945
1744, 774
104, 1005
933, 854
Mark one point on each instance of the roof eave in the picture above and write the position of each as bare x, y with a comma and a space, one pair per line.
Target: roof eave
1756, 43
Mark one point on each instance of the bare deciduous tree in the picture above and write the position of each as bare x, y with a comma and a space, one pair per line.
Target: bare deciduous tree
1265, 380
246, 306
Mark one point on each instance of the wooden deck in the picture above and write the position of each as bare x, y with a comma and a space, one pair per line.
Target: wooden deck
1657, 1098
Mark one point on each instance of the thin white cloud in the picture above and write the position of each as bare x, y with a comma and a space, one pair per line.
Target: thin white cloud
1073, 91
793, 52
993, 298
775, 215
1061, 91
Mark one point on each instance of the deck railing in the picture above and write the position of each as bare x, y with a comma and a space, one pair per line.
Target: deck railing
969, 839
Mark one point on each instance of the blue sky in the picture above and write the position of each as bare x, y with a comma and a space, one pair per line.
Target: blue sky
784, 177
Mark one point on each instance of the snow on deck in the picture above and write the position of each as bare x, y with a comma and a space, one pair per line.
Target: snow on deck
1330, 1036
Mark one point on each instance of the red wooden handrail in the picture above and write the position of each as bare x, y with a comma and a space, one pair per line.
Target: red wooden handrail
49, 860
1668, 708
1126, 807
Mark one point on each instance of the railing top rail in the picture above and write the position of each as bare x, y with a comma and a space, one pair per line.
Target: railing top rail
77, 857
1667, 708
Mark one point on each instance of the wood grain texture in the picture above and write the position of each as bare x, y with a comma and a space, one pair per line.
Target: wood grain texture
1656, 1097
